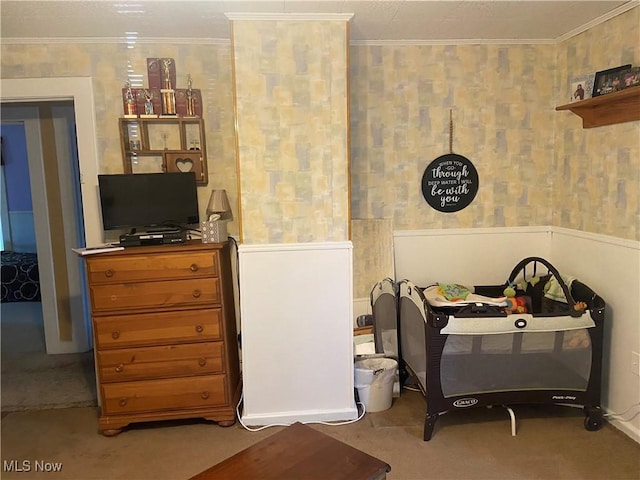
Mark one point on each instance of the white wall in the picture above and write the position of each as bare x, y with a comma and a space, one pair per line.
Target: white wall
480, 256
610, 266
23, 234
297, 337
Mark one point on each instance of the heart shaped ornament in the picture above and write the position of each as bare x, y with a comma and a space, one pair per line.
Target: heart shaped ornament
184, 164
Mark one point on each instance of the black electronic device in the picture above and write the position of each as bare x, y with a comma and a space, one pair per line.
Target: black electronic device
152, 238
146, 200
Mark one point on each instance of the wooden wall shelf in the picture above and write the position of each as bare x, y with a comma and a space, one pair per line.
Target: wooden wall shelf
609, 109
174, 144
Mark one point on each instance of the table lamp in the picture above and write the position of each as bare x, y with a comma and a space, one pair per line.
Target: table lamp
219, 205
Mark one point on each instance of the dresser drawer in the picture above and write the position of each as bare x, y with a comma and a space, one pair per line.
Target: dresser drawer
158, 362
134, 268
165, 294
167, 394
183, 326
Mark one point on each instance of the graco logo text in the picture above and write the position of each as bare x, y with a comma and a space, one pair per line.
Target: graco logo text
465, 402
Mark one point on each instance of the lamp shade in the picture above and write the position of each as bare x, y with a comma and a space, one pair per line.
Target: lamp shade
219, 205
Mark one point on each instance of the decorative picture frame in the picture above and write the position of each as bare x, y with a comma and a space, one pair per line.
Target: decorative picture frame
581, 88
631, 77
187, 161
608, 81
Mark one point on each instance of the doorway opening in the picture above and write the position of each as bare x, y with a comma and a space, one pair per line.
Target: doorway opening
30, 375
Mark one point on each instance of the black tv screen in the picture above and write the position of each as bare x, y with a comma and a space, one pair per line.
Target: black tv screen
143, 200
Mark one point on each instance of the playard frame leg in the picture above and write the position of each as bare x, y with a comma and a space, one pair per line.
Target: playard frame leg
429, 425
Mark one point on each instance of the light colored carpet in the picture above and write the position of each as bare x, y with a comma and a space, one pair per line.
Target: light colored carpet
31, 379
22, 329
551, 443
41, 381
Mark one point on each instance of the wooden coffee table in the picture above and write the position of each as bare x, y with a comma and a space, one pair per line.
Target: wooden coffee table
298, 453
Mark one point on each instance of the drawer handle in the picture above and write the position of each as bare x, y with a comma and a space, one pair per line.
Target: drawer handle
108, 273
204, 395
120, 368
193, 267
115, 335
196, 293
123, 402
199, 328
202, 362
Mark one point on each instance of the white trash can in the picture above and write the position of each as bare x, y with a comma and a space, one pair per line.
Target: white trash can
374, 378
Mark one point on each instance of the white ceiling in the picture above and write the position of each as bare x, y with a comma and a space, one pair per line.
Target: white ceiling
374, 21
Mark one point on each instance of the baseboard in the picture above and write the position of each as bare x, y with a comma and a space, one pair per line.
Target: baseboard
310, 416
626, 428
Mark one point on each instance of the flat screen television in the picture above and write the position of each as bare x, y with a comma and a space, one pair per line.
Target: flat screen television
148, 200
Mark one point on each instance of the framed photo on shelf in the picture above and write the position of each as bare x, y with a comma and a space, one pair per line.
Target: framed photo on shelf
631, 77
581, 87
609, 81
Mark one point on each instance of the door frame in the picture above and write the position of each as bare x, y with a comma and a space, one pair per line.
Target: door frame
80, 91
4, 213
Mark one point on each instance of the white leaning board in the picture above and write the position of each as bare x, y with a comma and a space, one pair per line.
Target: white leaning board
296, 310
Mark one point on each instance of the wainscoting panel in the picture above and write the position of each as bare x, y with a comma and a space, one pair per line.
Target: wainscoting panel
297, 339
479, 256
611, 266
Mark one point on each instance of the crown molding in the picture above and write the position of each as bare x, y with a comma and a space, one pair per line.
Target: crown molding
597, 21
131, 41
290, 16
456, 41
225, 41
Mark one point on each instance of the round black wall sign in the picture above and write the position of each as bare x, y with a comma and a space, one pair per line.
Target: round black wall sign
450, 183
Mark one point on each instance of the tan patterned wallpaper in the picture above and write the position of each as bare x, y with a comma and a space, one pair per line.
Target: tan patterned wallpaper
372, 253
501, 103
292, 124
110, 66
597, 172
536, 166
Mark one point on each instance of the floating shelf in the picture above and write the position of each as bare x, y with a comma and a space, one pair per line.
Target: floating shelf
608, 109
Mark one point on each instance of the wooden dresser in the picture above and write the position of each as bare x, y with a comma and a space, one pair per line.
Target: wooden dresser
164, 334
